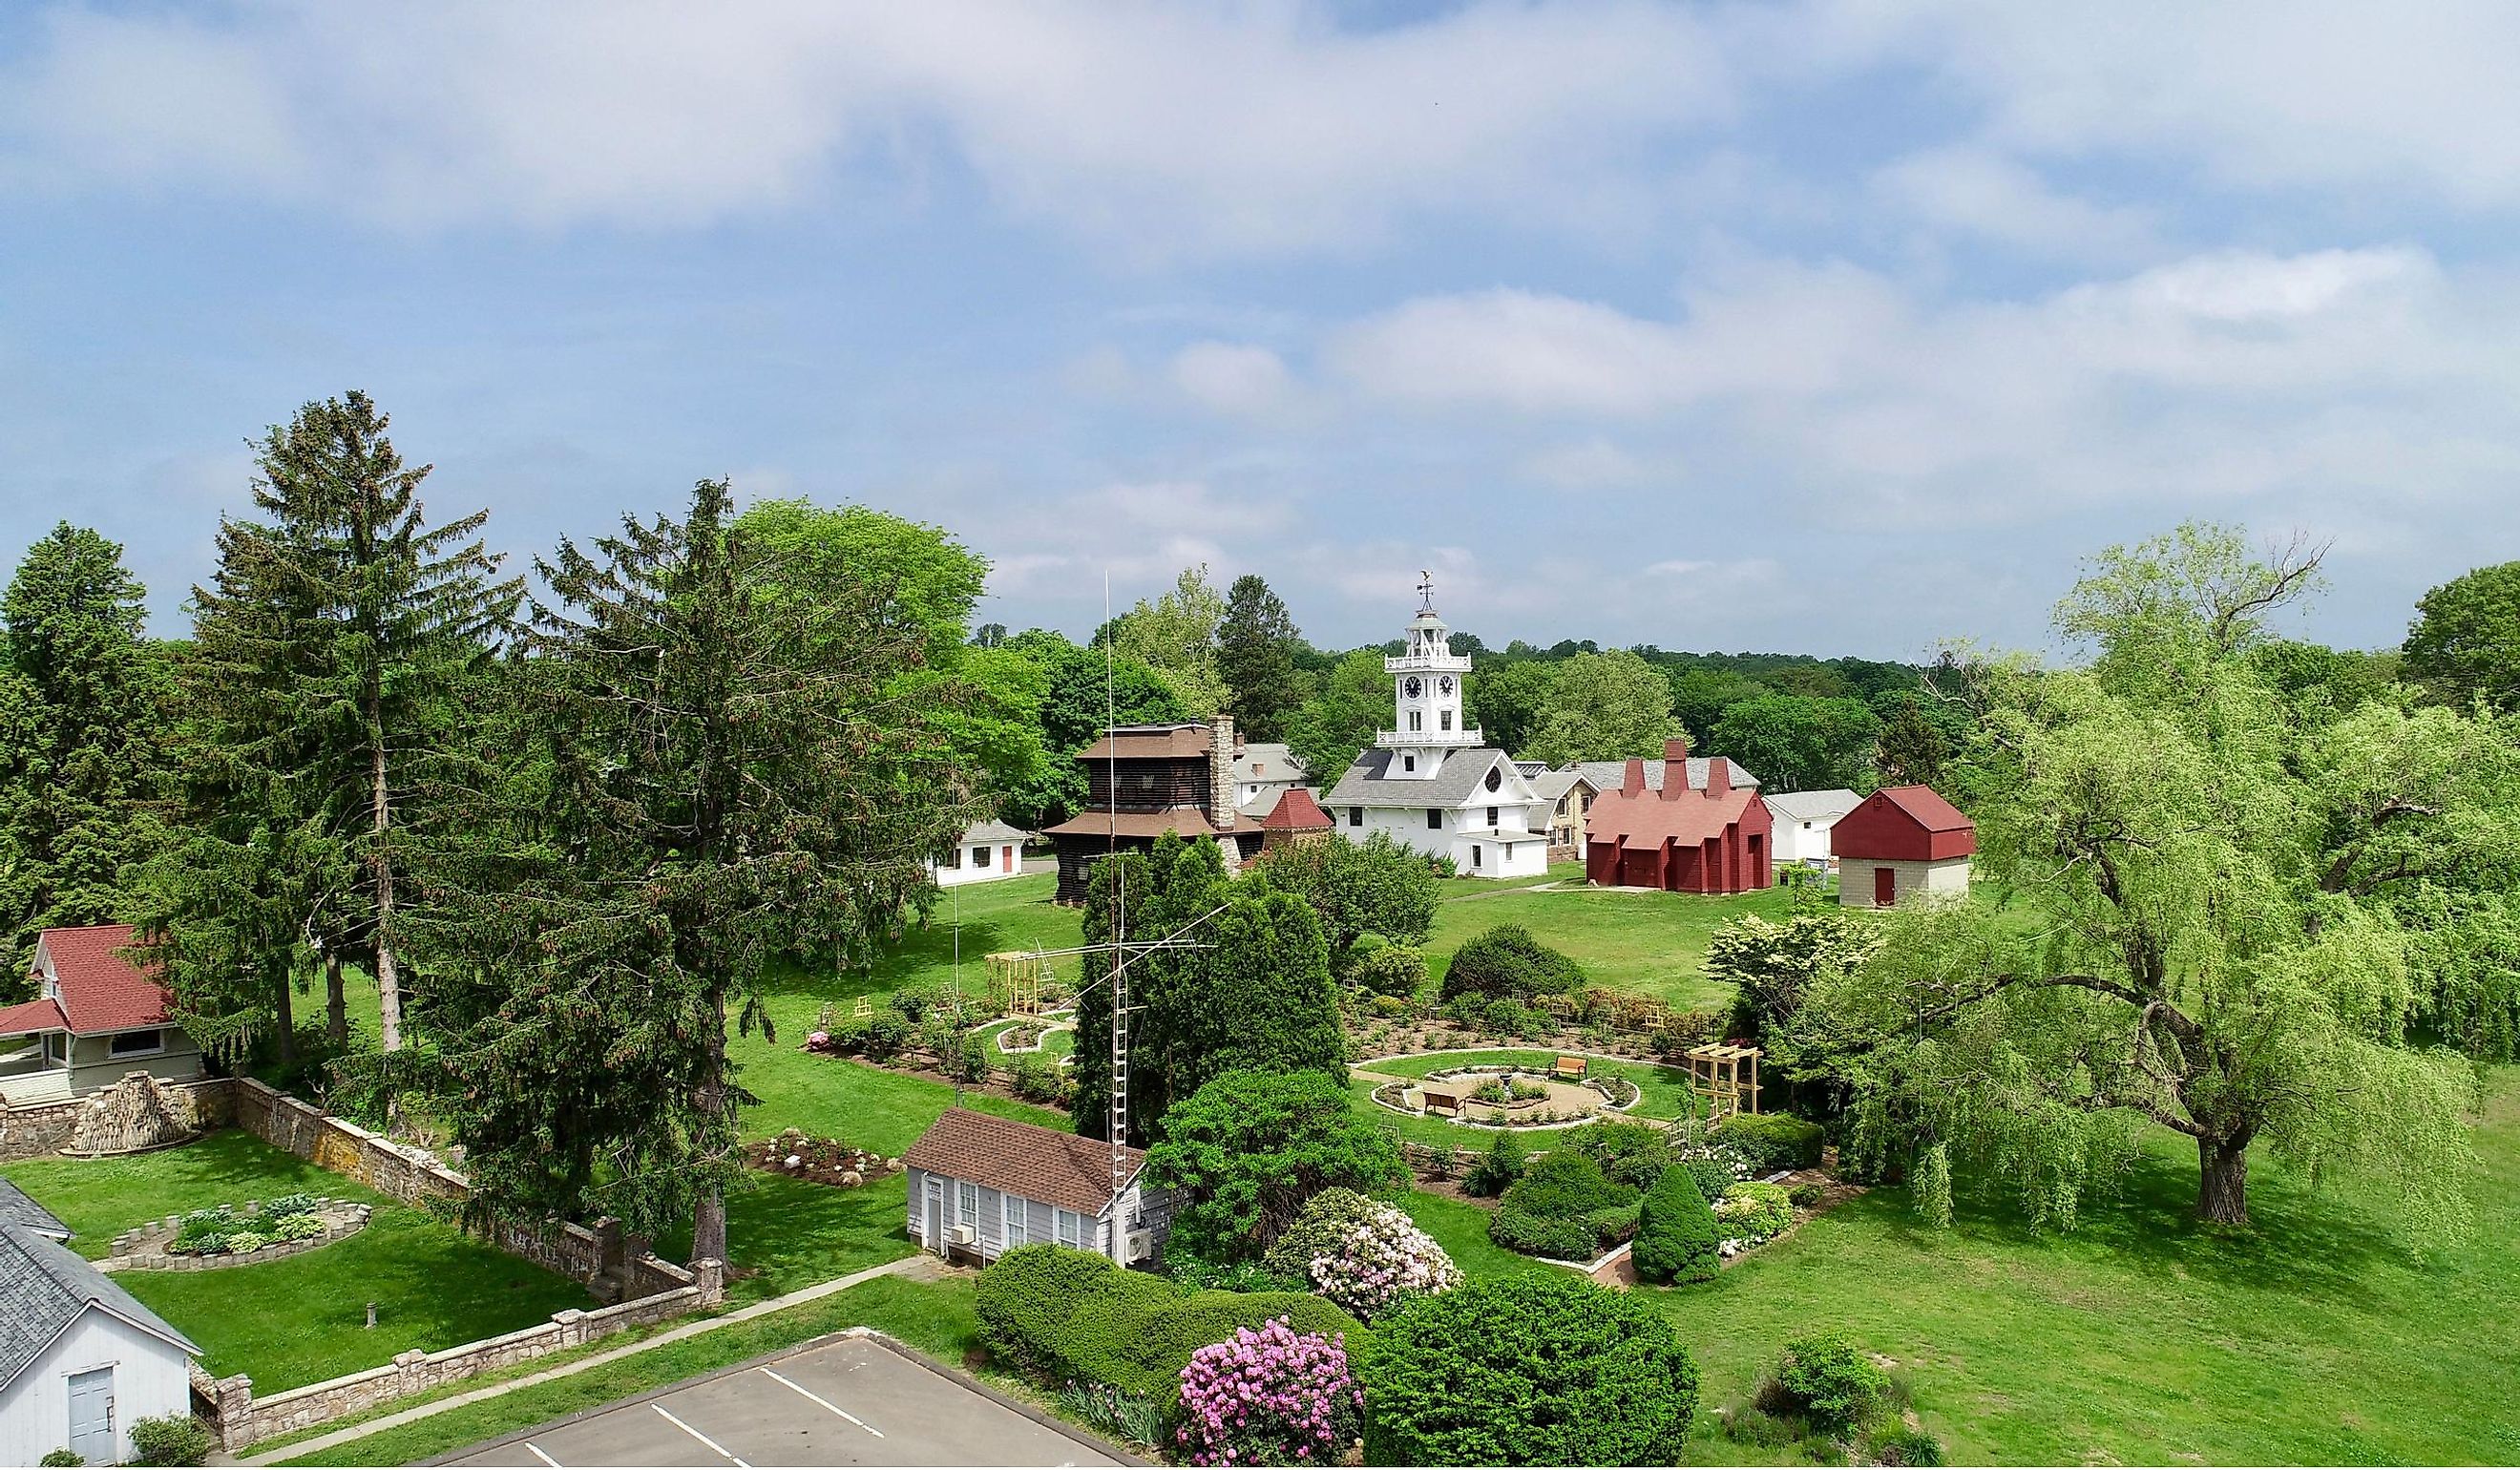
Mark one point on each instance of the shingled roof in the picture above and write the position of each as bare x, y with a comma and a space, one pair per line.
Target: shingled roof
1022, 1159
1297, 812
44, 1289
1188, 821
1605, 776
102, 991
21, 1212
1137, 742
1368, 783
32, 1019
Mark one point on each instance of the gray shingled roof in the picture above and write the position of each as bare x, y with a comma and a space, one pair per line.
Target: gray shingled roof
1277, 763
1610, 776
1551, 784
16, 1209
1813, 806
993, 830
1365, 784
43, 1289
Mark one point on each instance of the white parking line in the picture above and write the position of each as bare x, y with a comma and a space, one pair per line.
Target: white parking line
825, 1403
703, 1439
538, 1454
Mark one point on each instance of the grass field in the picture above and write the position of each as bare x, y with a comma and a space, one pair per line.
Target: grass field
301, 1319
1653, 944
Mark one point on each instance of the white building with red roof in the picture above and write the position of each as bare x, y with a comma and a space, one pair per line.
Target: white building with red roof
97, 1014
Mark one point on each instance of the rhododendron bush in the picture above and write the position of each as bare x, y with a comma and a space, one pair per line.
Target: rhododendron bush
1269, 1396
1382, 1261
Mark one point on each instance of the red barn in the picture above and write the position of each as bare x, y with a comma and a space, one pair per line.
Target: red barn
1900, 842
1684, 841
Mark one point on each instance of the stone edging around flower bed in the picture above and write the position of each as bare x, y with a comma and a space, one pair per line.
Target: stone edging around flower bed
1400, 1087
144, 1247
1040, 1037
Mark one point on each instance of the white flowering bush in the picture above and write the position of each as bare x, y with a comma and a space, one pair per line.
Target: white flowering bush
1380, 1261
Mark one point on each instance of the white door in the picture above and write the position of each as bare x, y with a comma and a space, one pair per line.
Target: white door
937, 1216
92, 1417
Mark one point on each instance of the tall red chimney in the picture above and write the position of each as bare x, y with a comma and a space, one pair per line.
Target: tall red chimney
1675, 769
1634, 785
1719, 776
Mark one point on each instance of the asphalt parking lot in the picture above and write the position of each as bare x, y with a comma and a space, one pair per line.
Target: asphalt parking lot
853, 1400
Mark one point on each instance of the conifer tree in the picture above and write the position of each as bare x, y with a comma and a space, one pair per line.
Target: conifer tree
1256, 655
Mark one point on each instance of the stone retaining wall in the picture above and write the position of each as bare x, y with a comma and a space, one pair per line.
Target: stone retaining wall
46, 1129
239, 1419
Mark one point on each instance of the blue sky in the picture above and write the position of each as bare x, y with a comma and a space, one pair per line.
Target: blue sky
1822, 327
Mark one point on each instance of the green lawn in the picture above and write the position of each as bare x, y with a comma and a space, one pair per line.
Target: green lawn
2141, 1338
297, 1320
1664, 1093
1652, 944
935, 1317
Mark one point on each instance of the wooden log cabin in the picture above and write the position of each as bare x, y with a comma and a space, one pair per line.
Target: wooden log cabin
1143, 781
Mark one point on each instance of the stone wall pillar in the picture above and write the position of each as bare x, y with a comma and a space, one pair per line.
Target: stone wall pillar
572, 1327
709, 1274
611, 1253
231, 1400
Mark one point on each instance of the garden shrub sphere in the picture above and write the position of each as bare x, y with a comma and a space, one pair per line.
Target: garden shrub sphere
1269, 1396
1533, 1369
170, 1440
1564, 1185
1832, 1381
1773, 1141
1508, 963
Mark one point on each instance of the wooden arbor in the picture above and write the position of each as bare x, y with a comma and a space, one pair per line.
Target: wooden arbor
1717, 1073
1015, 980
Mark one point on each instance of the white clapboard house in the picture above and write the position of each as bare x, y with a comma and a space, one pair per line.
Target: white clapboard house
981, 1185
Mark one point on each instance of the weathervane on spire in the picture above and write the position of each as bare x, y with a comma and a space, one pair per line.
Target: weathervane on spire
1425, 590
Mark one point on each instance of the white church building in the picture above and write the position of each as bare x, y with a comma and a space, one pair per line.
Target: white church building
1434, 784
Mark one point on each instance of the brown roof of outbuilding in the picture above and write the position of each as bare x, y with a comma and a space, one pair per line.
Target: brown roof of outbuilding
1022, 1159
1159, 740
1297, 812
1188, 821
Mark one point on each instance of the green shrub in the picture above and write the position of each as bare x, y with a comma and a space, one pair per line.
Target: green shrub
1675, 1233
1191, 1274
1025, 1298
1539, 1368
1140, 1343
1251, 1147
1754, 1212
289, 1204
1506, 961
1773, 1141
968, 1061
1832, 1381
170, 1440
61, 1458
1807, 1194
1902, 1446
1564, 1185
1386, 970
1537, 1235
1038, 1079
1712, 1176
887, 1032
1633, 1154
1616, 1225
1497, 1169
302, 1225
1389, 1007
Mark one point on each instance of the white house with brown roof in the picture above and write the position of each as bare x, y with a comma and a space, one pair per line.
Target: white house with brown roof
96, 1015
981, 1185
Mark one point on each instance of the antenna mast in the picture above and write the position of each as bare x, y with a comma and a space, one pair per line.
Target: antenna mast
1119, 977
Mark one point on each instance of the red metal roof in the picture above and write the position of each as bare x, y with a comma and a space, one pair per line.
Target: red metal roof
1927, 807
1297, 812
100, 990
1022, 1159
32, 1018
1904, 825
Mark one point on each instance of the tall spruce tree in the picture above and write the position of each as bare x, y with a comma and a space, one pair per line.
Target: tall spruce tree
327, 648
727, 774
1256, 655
82, 711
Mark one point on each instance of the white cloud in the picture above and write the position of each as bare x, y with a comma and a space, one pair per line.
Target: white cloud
1593, 464
1976, 192
1155, 128
1231, 377
1141, 532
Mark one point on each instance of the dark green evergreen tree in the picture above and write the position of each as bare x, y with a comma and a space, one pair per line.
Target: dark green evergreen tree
1255, 653
83, 707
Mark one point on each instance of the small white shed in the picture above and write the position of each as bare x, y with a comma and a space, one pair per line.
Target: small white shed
1803, 821
80, 1359
988, 851
981, 1185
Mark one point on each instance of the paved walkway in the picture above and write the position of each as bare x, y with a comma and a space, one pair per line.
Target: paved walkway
922, 1267
1473, 898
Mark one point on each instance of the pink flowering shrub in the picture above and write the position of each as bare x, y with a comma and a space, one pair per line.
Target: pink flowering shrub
1269, 1395
1382, 1259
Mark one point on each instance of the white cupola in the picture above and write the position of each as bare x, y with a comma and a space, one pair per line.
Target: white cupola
1428, 681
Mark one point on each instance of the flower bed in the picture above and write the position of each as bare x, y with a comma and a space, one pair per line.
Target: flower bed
819, 1160
234, 1235
1514, 1097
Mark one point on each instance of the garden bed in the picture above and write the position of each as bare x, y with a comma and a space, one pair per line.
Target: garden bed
222, 1236
1509, 1095
795, 1155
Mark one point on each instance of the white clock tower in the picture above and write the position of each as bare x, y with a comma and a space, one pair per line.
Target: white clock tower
1425, 694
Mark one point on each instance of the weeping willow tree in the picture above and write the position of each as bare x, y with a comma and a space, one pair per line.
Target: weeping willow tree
2212, 926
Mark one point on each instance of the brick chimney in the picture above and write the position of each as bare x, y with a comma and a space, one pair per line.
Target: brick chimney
1634, 785
1675, 769
1719, 776
1220, 772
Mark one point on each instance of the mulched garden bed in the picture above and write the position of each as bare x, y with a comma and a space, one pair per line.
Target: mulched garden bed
796, 1155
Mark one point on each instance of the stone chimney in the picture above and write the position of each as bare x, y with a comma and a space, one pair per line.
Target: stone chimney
1675, 769
1719, 776
1220, 772
1635, 783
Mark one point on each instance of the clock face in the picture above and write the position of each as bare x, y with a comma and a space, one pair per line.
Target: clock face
1445, 684
1411, 687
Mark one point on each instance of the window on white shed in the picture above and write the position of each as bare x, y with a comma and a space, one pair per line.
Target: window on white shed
1015, 1222
1071, 1228
979, 857
967, 1203
137, 1044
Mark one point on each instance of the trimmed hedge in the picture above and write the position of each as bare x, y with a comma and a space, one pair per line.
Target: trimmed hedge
1773, 1141
1064, 1316
1677, 1239
1507, 962
1564, 1185
1535, 1235
1538, 1368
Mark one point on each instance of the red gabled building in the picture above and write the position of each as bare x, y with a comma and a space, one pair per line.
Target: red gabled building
1682, 839
1899, 843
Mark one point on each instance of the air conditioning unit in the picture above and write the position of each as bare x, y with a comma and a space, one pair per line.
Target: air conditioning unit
1141, 1246
961, 1234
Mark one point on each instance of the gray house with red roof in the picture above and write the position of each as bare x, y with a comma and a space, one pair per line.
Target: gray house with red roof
97, 1015
980, 1186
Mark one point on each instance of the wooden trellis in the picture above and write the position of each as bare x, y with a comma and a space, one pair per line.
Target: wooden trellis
1716, 1072
1016, 978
